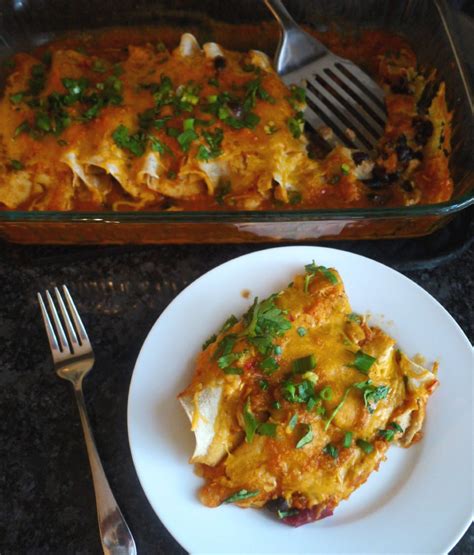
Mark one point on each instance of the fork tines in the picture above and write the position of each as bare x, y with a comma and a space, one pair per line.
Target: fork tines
342, 97
76, 341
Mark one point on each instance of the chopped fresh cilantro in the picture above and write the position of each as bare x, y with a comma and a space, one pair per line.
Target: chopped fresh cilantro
226, 360
263, 384
307, 438
186, 138
338, 408
277, 349
331, 450
158, 146
240, 495
134, 143
231, 321
225, 345
17, 97
301, 331
214, 141
372, 394
99, 66
294, 197
213, 82
209, 341
24, 127
345, 169
269, 365
223, 189
312, 269
233, 370
298, 93
298, 393
363, 362
250, 423
293, 421
295, 125
303, 364
347, 440
267, 429
276, 405
37, 79
365, 446
16, 165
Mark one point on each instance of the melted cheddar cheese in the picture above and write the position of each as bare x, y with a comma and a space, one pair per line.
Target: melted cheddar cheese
297, 403
132, 124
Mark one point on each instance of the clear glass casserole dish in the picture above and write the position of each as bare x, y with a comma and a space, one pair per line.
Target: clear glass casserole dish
428, 24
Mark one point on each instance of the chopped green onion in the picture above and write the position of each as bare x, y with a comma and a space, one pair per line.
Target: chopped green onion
240, 495
186, 138
387, 434
353, 317
307, 438
303, 364
276, 405
293, 421
277, 350
365, 446
331, 450
263, 384
363, 362
289, 512
326, 393
312, 402
301, 331
396, 427
188, 124
347, 440
345, 169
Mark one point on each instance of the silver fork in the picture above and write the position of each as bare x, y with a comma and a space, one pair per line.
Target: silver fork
73, 359
339, 94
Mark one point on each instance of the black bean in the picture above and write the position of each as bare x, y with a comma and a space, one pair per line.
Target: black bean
423, 130
378, 199
278, 504
219, 62
404, 153
401, 87
236, 108
392, 177
359, 157
407, 186
429, 92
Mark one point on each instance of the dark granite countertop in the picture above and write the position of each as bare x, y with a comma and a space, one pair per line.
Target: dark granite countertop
46, 490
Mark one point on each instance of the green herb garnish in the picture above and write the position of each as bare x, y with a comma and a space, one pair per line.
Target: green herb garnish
233, 370
134, 143
301, 331
347, 440
209, 341
250, 423
363, 362
345, 169
303, 364
16, 165
307, 438
267, 429
365, 446
331, 450
293, 421
240, 495
326, 393
263, 385
372, 394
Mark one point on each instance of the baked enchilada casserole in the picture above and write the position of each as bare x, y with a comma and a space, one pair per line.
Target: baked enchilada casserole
135, 124
297, 402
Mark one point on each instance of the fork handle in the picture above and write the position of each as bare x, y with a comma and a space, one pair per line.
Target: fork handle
115, 535
295, 44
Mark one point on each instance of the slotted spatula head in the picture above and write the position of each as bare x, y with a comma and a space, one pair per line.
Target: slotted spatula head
339, 94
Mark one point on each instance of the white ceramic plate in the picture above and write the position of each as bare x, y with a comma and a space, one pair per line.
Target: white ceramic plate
420, 501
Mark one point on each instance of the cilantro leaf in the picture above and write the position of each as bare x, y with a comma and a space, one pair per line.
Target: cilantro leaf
250, 423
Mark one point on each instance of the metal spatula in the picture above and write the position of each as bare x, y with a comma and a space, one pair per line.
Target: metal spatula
339, 94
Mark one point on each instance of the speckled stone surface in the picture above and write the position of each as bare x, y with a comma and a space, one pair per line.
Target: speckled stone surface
46, 490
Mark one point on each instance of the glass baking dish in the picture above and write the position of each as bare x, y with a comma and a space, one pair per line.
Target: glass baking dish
428, 24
